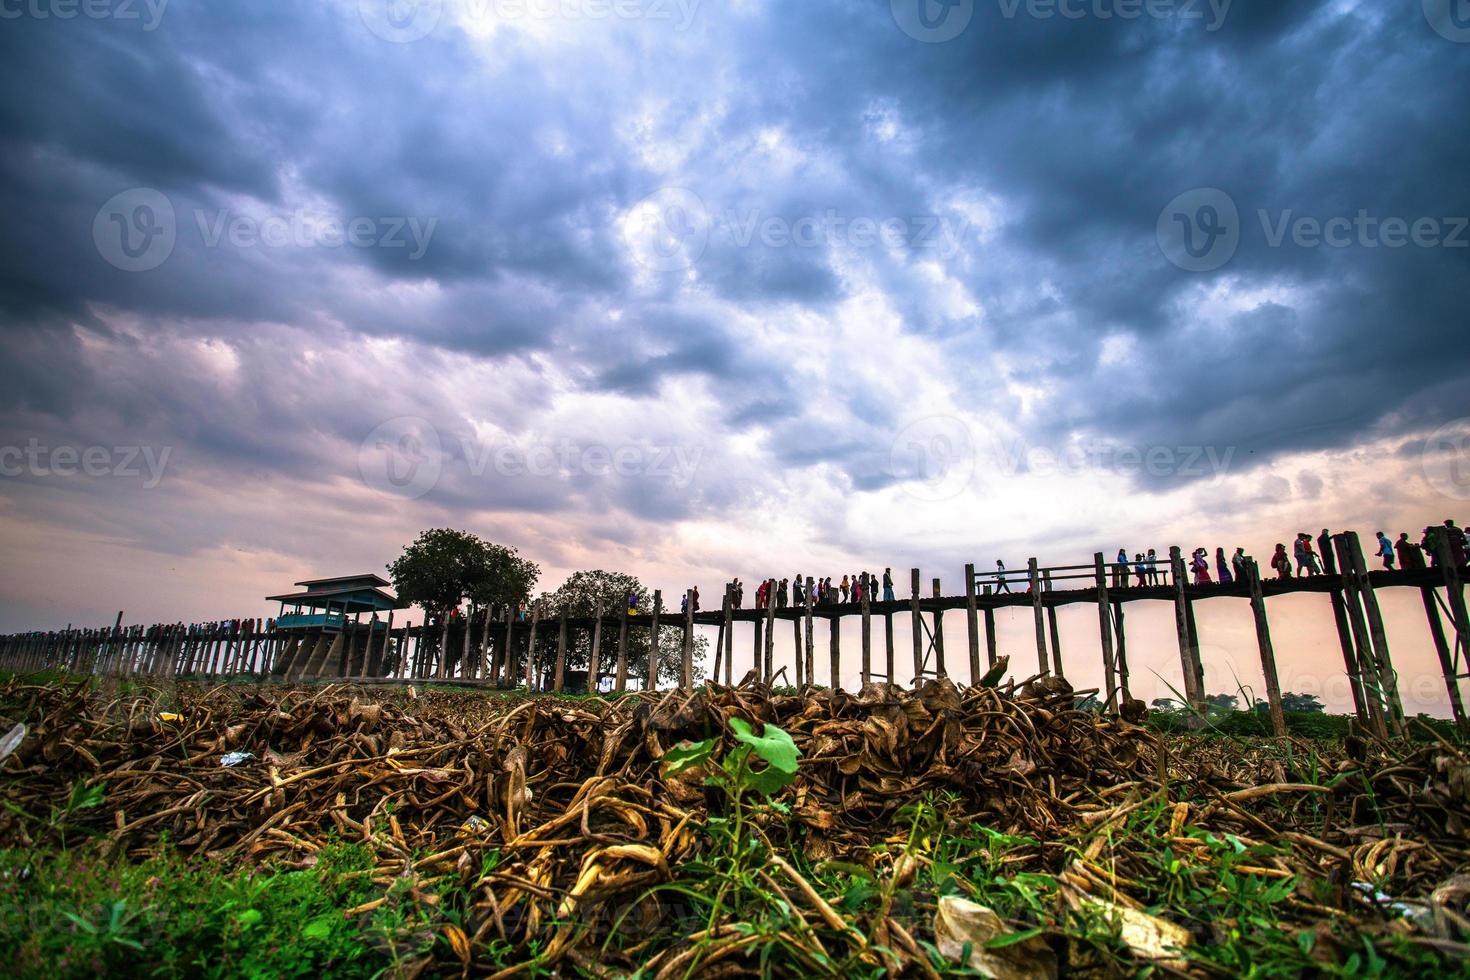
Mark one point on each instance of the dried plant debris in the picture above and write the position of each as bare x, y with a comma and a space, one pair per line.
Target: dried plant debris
1005, 832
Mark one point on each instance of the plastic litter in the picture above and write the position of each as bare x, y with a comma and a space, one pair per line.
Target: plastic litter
235, 758
12, 740
169, 716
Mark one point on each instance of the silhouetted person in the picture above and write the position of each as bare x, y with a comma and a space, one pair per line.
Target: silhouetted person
1001, 585
1410, 557
1385, 550
1329, 557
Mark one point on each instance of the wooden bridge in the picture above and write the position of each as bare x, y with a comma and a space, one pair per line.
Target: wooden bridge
497, 647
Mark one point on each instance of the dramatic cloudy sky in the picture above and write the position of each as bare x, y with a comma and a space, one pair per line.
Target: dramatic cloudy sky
695, 289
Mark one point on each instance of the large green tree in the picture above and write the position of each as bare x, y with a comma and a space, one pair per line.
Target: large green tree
580, 594
443, 568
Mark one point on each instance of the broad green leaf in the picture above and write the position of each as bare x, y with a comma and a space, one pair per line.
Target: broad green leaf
773, 745
248, 918
319, 928
688, 756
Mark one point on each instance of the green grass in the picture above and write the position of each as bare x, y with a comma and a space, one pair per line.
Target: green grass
72, 914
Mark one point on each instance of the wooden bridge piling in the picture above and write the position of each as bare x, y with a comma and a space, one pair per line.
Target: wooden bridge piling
972, 624
1056, 636
1267, 651
1105, 628
650, 683
940, 669
620, 679
867, 640
1042, 661
918, 626
768, 658
686, 654
1188, 651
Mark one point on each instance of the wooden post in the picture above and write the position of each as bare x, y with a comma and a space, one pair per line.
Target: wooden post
757, 649
972, 623
797, 659
1349, 656
725, 624
504, 674
918, 627
1446, 659
939, 666
1268, 652
991, 640
620, 679
1187, 654
1105, 626
686, 661
650, 683
730, 642
1056, 636
1363, 656
811, 663
464, 651
867, 640
888, 661
594, 658
531, 649
770, 648
834, 650
558, 680
1388, 677
1120, 649
1041, 657
1455, 594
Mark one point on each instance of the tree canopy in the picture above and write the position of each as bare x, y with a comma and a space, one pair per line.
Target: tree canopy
580, 594
444, 567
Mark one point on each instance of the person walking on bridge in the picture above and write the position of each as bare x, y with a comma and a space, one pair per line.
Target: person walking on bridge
1120, 569
1410, 557
888, 585
1385, 550
1140, 569
1001, 585
1281, 562
1222, 567
781, 594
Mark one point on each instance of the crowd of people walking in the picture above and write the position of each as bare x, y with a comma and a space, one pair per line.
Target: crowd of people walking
1306, 557
781, 593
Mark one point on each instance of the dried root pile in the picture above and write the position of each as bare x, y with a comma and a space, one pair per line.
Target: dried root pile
572, 796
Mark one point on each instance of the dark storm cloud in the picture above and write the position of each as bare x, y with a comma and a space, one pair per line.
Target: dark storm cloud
519, 161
